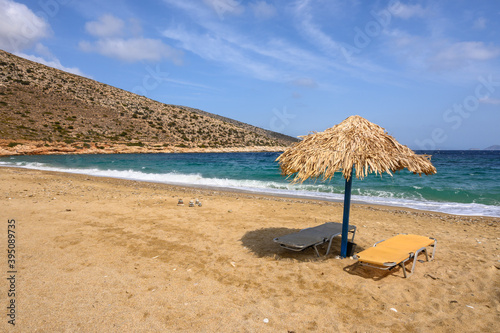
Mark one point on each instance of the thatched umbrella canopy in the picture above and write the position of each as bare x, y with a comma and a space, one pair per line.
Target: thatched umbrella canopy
354, 144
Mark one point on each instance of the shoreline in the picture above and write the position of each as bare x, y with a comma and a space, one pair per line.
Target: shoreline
231, 192
469, 209
258, 191
109, 254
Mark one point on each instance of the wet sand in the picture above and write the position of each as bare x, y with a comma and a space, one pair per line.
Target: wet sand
109, 255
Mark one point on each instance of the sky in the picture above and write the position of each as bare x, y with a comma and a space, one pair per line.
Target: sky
426, 71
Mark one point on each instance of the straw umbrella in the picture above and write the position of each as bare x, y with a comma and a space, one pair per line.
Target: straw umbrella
355, 146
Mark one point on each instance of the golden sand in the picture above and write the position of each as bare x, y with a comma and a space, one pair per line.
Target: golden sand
108, 255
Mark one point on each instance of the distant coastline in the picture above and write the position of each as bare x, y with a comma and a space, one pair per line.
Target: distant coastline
24, 147
15, 148
494, 147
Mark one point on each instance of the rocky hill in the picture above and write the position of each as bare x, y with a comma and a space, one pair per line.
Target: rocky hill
44, 110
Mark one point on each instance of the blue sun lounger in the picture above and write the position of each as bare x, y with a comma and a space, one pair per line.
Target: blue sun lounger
313, 237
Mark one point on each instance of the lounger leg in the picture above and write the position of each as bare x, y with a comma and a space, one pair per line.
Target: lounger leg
426, 255
424, 249
415, 258
316, 249
412, 266
329, 246
331, 239
404, 268
434, 250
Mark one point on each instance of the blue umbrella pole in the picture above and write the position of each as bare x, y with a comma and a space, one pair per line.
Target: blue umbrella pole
345, 221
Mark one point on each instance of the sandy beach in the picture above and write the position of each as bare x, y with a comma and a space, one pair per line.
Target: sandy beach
110, 255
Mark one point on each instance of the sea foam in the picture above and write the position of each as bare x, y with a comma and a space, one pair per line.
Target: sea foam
311, 191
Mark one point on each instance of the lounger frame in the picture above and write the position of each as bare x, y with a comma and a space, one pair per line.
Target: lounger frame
320, 241
411, 255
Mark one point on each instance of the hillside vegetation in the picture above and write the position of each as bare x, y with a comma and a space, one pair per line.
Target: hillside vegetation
45, 105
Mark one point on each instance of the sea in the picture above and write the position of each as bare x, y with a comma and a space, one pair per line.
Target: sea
466, 183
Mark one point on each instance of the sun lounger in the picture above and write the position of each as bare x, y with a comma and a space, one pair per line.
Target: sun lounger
313, 237
395, 251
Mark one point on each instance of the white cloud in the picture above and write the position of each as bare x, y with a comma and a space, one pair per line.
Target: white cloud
274, 59
43, 50
105, 26
191, 7
55, 63
133, 49
461, 53
181, 83
480, 23
135, 27
438, 54
217, 49
313, 32
225, 7
472, 51
488, 100
263, 10
342, 56
20, 28
407, 11
305, 82
111, 42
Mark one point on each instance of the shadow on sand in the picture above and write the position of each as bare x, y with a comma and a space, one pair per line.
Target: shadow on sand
261, 243
376, 274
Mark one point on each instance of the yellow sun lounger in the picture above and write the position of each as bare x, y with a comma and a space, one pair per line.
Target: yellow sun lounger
395, 251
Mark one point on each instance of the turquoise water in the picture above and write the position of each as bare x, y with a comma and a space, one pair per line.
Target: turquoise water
467, 182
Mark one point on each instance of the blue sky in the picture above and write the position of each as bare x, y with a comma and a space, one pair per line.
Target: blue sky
427, 71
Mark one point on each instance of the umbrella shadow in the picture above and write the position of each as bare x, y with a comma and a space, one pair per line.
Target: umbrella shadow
261, 243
